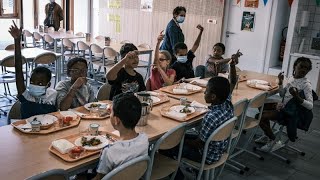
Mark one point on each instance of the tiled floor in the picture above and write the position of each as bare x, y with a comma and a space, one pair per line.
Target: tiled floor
302, 167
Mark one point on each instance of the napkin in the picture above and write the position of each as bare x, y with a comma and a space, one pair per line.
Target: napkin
25, 127
180, 91
263, 87
62, 145
176, 115
197, 104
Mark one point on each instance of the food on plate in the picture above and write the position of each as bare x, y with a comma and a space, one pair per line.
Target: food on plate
67, 120
76, 152
185, 109
91, 142
94, 105
62, 145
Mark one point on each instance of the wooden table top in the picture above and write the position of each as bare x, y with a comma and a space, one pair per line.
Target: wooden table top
23, 155
114, 45
29, 53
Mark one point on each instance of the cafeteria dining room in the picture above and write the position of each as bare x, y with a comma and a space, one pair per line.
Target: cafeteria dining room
159, 89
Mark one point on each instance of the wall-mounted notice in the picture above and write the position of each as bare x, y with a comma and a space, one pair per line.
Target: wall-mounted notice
251, 3
114, 4
247, 23
115, 18
146, 5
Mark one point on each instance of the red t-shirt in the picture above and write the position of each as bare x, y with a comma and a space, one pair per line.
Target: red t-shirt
156, 80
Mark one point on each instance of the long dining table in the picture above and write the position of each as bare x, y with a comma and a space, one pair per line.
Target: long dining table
23, 155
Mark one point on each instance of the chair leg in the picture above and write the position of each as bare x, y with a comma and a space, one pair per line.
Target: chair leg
212, 172
206, 174
233, 167
174, 174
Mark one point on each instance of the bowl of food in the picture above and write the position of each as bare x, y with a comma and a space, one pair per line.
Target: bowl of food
76, 152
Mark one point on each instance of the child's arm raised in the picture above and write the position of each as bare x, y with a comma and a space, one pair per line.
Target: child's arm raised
197, 42
233, 71
16, 34
156, 53
113, 72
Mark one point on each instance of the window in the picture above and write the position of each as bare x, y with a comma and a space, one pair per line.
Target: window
8, 8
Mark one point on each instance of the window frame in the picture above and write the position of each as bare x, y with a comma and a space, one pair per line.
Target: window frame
15, 13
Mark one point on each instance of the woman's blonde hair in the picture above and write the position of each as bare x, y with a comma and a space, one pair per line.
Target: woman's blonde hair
167, 54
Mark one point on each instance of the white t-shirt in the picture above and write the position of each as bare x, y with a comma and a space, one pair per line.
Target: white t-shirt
121, 152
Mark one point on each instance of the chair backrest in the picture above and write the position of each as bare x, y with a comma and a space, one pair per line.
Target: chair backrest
258, 101
82, 46
27, 33
55, 174
104, 92
37, 36
45, 58
67, 43
113, 40
80, 34
69, 32
10, 47
145, 45
14, 112
240, 107
223, 132
109, 52
95, 48
133, 169
51, 29
148, 84
99, 37
9, 61
48, 38
125, 41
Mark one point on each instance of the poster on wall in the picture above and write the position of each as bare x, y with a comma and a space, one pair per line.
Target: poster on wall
247, 23
236, 3
251, 3
114, 4
146, 5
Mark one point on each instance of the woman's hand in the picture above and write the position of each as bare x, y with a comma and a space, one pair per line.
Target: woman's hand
79, 82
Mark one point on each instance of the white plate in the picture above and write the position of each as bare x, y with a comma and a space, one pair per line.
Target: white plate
87, 106
155, 99
192, 87
177, 108
152, 93
103, 140
45, 119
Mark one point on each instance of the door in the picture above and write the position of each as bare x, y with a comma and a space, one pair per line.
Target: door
251, 43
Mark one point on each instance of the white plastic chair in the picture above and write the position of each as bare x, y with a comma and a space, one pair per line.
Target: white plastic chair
27, 35
104, 92
223, 132
162, 166
46, 59
37, 40
133, 169
56, 174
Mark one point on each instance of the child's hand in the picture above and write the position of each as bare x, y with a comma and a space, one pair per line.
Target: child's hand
280, 106
161, 36
235, 58
200, 27
15, 31
79, 82
294, 91
281, 77
131, 55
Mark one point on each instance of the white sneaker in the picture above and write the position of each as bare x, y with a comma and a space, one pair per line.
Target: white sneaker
272, 144
262, 140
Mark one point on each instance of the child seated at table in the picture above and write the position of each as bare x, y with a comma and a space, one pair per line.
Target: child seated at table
183, 64
296, 106
38, 97
75, 91
122, 77
215, 63
125, 114
218, 94
161, 74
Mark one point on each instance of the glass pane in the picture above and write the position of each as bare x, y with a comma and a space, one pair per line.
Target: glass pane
28, 14
6, 38
81, 15
7, 7
41, 10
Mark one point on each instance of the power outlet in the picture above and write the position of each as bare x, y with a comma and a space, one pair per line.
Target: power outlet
212, 21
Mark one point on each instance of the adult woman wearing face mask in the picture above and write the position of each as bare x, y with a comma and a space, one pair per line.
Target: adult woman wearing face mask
174, 34
54, 15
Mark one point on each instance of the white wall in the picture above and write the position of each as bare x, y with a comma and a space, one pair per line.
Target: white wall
81, 9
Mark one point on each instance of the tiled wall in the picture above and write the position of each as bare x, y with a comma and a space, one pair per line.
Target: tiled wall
307, 32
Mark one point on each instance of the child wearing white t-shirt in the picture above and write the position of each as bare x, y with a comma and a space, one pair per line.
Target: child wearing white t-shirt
125, 114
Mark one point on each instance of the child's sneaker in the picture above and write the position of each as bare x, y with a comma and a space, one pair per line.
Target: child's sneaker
272, 144
262, 140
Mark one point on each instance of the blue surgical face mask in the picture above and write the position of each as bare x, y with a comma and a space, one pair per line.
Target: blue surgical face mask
180, 19
182, 59
36, 90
